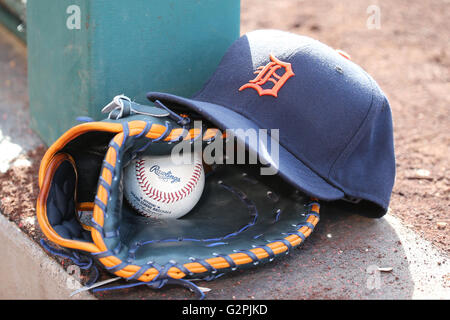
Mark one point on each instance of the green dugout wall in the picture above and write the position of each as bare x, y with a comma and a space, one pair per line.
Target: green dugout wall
81, 53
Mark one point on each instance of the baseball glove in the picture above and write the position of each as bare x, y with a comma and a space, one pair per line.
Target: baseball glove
242, 218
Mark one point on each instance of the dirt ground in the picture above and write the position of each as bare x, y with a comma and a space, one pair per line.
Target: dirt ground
407, 52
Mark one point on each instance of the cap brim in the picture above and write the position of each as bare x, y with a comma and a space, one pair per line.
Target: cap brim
289, 167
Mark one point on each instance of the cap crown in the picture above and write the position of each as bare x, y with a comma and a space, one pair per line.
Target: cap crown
330, 113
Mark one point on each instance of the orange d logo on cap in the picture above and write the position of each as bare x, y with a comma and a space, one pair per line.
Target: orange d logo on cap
268, 73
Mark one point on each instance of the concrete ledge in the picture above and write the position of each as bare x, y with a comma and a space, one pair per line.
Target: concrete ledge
27, 272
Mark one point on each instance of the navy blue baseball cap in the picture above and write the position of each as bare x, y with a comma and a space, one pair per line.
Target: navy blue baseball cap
335, 124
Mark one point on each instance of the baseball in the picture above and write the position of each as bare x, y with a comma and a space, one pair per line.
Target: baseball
157, 188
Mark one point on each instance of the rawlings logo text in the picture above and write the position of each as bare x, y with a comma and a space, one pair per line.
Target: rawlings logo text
165, 176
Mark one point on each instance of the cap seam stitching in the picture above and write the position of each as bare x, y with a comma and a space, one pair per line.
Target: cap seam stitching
353, 137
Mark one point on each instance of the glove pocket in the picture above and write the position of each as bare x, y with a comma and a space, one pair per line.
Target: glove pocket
56, 207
